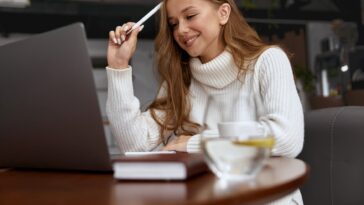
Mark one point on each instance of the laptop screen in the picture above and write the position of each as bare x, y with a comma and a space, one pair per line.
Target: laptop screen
50, 117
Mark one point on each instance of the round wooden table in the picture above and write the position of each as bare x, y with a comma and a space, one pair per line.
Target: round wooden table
278, 178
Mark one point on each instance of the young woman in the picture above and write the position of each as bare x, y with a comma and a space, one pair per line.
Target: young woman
203, 47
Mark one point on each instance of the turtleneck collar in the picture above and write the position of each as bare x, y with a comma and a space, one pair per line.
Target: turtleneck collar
217, 73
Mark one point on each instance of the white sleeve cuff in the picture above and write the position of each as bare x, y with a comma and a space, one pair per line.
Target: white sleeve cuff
193, 144
118, 69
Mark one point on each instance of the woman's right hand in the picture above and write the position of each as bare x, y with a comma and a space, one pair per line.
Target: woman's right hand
122, 47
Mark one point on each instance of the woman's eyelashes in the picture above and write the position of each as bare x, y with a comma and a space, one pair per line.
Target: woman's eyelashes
173, 25
189, 17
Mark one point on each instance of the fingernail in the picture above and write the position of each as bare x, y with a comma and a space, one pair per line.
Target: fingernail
119, 42
141, 28
122, 37
126, 28
115, 41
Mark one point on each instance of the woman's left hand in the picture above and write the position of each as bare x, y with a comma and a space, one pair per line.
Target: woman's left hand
178, 144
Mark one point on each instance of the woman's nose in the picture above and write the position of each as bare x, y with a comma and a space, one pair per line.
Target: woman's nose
183, 27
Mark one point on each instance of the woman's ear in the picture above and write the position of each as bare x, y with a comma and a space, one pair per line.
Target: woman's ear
224, 13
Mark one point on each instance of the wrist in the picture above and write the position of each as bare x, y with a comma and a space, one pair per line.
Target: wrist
119, 65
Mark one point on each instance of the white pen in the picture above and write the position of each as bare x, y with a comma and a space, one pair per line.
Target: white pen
149, 153
146, 17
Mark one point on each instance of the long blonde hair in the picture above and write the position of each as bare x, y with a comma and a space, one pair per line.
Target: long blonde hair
175, 74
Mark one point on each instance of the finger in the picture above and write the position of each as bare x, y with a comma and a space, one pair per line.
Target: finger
135, 32
126, 29
166, 148
128, 26
118, 33
169, 147
181, 147
112, 37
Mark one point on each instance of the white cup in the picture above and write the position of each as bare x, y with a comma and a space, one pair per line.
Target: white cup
240, 129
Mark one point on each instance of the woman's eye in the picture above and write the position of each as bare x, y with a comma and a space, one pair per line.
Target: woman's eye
172, 25
190, 16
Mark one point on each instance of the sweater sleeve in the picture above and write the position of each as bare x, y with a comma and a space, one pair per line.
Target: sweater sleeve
193, 144
133, 130
279, 104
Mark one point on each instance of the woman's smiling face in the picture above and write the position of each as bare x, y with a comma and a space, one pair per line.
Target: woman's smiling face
197, 26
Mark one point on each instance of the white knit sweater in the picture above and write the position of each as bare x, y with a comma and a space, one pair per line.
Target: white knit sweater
267, 94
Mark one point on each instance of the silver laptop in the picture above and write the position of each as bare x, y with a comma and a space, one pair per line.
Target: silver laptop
49, 112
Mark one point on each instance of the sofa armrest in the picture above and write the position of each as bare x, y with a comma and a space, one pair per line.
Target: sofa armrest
334, 140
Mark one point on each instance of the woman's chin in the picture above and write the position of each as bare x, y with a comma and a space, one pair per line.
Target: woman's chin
193, 54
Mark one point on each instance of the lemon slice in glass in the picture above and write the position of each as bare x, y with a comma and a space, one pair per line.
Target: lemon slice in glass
266, 142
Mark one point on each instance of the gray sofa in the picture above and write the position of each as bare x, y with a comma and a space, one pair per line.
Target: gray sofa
334, 148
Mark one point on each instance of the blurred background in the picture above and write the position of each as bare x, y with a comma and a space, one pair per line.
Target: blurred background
325, 38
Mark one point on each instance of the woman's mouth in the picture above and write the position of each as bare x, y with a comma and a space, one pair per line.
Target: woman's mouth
190, 40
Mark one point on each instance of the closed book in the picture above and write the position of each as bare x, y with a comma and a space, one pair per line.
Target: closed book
178, 166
